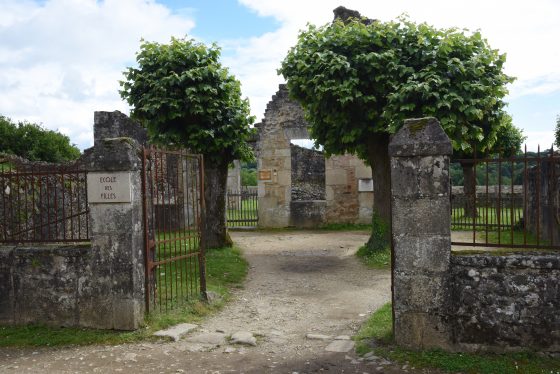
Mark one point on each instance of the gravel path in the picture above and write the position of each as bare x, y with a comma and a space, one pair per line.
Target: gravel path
299, 283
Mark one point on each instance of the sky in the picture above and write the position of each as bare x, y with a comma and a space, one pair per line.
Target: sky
61, 60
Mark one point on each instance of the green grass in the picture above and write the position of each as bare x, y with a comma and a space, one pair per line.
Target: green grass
485, 216
226, 269
375, 260
378, 329
346, 227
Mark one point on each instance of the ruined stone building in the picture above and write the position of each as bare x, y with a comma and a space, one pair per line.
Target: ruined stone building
299, 186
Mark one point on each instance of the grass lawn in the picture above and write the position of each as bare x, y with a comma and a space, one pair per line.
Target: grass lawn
245, 213
226, 269
376, 260
378, 328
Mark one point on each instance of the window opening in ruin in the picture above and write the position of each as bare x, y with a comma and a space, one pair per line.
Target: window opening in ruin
308, 171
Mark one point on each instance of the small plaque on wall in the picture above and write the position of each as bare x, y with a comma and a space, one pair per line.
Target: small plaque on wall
109, 187
265, 175
365, 185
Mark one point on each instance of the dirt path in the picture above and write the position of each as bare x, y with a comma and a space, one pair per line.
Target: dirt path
299, 283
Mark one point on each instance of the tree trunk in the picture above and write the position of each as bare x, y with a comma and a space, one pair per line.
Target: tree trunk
469, 188
378, 155
215, 184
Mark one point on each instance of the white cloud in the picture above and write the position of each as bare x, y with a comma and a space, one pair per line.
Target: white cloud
527, 31
61, 61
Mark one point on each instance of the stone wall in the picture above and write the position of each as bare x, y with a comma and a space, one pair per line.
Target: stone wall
42, 284
342, 202
99, 285
479, 302
502, 303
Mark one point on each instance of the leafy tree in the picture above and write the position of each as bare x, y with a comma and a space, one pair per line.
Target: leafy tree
33, 142
184, 96
508, 143
557, 132
357, 82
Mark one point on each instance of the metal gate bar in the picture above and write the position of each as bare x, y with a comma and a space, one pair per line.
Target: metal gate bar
173, 204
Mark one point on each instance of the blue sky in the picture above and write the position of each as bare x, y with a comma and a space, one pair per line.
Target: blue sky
60, 60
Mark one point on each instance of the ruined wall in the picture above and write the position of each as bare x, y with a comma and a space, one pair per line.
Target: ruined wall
281, 202
308, 174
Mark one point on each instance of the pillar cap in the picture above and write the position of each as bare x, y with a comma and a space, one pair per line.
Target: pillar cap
420, 137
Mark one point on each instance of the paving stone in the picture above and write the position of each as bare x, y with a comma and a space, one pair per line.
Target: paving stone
243, 337
176, 332
215, 338
342, 337
318, 337
340, 346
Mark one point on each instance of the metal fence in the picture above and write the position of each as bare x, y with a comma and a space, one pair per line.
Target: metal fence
507, 202
173, 207
47, 204
242, 208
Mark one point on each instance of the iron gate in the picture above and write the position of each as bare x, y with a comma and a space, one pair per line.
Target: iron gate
242, 208
173, 207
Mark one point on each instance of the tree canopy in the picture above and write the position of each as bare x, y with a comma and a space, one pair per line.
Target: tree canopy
356, 81
557, 132
35, 143
183, 95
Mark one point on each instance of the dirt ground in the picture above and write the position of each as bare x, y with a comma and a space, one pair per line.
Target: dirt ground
299, 283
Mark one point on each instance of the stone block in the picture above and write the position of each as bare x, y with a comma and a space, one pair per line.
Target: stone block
336, 177
422, 253
419, 292
421, 217
363, 172
284, 177
421, 331
128, 313
420, 176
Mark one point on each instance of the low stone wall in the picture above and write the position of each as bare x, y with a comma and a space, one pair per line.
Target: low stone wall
504, 303
43, 284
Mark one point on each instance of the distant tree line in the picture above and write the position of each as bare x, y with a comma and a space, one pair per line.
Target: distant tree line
35, 143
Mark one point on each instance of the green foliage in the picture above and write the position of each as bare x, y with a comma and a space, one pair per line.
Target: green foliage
183, 95
358, 81
377, 332
248, 176
226, 269
557, 132
31, 141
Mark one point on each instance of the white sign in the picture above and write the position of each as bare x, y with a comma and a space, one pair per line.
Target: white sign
109, 187
365, 185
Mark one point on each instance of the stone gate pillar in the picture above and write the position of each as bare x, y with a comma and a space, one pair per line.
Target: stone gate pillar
112, 293
421, 235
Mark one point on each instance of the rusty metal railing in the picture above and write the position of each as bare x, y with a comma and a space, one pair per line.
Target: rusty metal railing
507, 202
43, 205
173, 207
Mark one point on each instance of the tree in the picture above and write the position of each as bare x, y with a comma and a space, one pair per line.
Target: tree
557, 132
508, 143
357, 82
183, 95
34, 143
